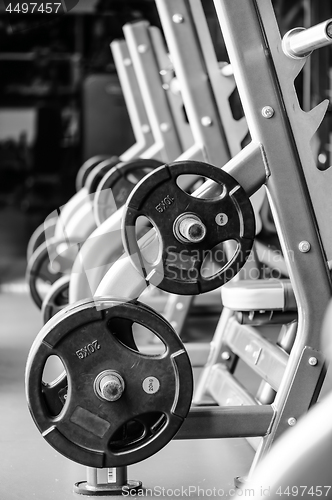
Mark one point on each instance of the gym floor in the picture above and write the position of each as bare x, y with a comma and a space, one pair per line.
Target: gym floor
29, 467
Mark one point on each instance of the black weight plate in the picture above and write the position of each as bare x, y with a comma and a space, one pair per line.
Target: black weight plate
88, 338
97, 173
115, 187
56, 298
179, 266
86, 168
47, 264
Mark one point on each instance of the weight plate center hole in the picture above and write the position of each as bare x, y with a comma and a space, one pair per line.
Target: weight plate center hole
189, 228
109, 385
